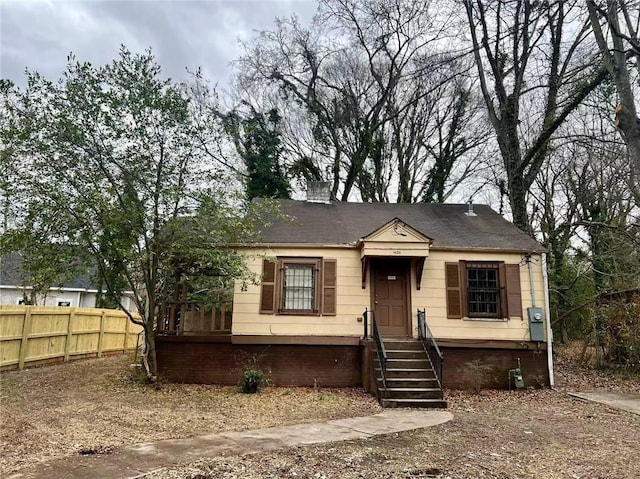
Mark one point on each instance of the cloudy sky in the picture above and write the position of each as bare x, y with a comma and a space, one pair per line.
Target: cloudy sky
39, 35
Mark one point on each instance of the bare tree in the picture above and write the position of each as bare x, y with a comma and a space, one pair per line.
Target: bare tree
585, 215
620, 48
366, 75
534, 54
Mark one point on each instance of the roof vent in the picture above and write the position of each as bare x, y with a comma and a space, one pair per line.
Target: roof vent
470, 211
318, 192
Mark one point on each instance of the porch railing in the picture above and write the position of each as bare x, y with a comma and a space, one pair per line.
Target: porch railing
382, 353
430, 345
192, 318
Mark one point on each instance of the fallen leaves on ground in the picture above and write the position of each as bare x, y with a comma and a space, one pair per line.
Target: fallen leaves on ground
95, 405
572, 375
494, 434
91, 406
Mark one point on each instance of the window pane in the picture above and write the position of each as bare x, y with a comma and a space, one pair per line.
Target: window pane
299, 286
483, 289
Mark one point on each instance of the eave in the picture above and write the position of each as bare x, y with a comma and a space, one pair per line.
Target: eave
355, 245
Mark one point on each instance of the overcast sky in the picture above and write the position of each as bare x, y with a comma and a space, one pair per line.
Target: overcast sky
39, 35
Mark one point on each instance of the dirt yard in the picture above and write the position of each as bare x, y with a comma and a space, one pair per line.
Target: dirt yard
537, 434
95, 405
64, 409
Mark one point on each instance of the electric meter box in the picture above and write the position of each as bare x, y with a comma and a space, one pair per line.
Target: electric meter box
536, 324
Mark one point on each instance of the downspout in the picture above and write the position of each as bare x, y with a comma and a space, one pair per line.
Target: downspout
547, 313
533, 290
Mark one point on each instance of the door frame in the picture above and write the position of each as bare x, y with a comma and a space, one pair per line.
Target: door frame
375, 262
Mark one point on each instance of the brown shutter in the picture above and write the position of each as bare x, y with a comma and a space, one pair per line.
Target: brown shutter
502, 282
268, 293
514, 298
454, 293
329, 280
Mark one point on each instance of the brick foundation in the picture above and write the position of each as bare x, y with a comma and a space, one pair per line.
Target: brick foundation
492, 368
215, 360
206, 360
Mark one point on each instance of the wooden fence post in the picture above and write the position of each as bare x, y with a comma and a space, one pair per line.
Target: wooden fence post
103, 317
126, 333
26, 329
67, 344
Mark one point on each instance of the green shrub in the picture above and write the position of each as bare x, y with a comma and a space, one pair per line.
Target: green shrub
252, 381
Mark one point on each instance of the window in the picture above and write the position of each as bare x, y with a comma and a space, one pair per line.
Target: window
483, 289
299, 287
305, 286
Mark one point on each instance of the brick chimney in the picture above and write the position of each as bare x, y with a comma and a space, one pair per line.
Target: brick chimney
318, 192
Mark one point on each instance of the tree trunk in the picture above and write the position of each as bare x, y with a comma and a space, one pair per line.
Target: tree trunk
518, 201
509, 143
616, 64
149, 355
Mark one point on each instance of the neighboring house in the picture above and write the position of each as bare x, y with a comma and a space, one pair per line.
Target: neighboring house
473, 275
76, 292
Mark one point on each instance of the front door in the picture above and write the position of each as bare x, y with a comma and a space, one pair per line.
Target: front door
390, 296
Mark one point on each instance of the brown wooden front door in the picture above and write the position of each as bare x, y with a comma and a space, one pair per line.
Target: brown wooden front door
390, 296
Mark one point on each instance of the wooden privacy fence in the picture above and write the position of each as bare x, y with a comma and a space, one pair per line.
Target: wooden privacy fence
32, 335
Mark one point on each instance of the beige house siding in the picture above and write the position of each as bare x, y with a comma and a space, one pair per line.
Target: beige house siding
352, 299
432, 297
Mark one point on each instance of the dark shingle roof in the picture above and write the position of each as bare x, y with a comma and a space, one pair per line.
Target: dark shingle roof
11, 274
446, 224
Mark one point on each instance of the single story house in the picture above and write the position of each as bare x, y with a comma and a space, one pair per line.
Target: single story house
359, 293
79, 291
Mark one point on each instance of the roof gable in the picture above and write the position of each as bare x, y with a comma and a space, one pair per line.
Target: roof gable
397, 231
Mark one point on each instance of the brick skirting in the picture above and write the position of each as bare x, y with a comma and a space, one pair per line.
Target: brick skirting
493, 365
210, 360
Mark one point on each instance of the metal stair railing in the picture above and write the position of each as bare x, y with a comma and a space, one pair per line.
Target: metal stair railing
382, 353
430, 346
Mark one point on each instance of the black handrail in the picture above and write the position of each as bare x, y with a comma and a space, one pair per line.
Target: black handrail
382, 353
430, 345
366, 324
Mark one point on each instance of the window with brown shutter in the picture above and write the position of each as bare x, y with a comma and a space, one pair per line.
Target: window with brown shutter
483, 289
302, 286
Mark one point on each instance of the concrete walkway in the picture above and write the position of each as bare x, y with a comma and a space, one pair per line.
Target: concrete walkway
141, 459
624, 401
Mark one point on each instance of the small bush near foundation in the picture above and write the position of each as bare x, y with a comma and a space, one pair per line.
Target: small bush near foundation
476, 375
252, 381
254, 373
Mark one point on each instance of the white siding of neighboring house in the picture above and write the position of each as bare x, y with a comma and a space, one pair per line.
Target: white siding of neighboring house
77, 298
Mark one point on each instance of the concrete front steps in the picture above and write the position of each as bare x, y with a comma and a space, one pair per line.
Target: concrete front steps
410, 378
